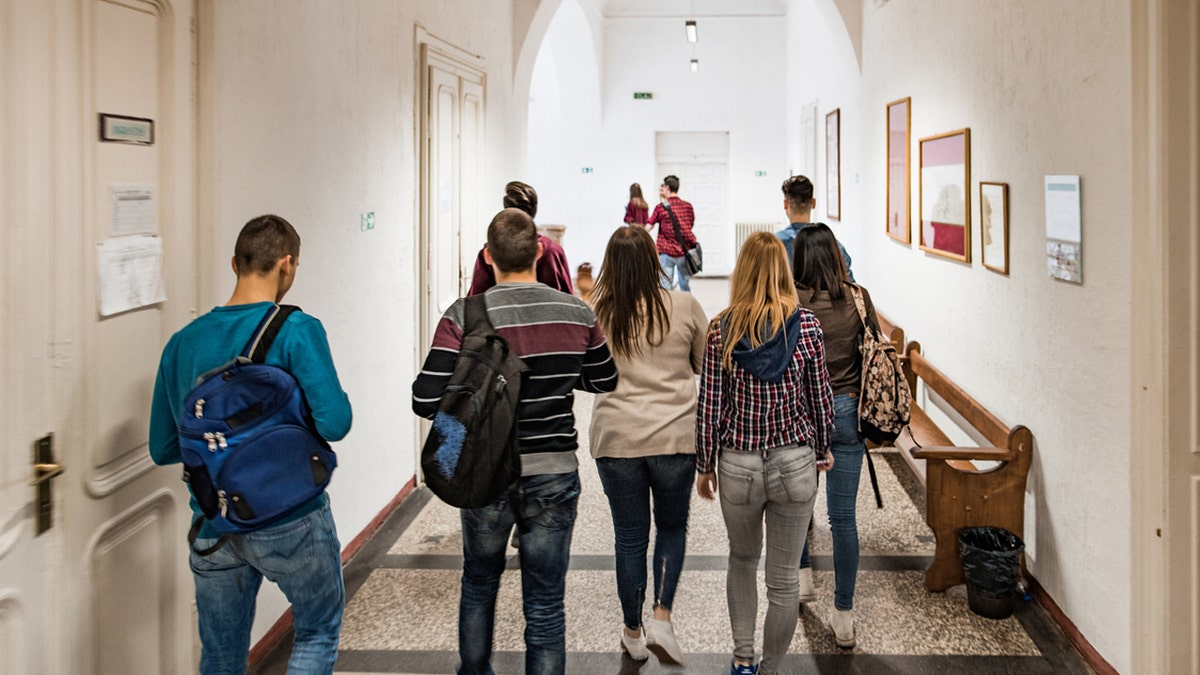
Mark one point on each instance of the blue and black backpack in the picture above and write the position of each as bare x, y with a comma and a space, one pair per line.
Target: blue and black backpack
251, 453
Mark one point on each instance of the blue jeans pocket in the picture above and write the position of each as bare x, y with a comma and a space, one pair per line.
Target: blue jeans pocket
284, 549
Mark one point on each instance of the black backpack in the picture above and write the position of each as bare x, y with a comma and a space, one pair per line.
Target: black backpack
471, 455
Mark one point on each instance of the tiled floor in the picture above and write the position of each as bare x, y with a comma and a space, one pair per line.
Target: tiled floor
403, 594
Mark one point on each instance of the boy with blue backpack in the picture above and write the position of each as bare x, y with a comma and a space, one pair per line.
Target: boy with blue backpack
247, 398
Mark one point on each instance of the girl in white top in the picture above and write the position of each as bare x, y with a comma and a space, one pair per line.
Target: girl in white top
643, 434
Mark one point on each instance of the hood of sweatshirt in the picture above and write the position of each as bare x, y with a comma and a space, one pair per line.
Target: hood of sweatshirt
771, 359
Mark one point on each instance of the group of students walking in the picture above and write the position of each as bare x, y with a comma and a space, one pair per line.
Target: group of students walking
776, 404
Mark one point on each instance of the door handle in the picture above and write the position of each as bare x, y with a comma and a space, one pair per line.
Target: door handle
42, 473
45, 468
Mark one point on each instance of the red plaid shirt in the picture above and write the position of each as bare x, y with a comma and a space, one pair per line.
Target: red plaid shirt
738, 411
667, 242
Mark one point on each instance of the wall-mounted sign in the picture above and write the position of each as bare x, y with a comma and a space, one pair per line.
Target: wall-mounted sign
586, 169
122, 129
1064, 229
642, 96
760, 174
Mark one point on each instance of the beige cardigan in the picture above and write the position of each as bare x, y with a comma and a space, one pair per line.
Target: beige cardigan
653, 410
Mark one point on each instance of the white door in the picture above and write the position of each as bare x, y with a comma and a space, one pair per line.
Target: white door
452, 226
701, 161
27, 561
453, 118
106, 589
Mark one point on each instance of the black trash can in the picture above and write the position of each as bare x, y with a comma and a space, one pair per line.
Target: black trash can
991, 558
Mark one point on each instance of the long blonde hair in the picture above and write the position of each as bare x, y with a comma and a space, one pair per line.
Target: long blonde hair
762, 295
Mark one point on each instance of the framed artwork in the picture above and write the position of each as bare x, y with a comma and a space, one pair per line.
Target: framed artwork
993, 225
833, 182
945, 205
898, 170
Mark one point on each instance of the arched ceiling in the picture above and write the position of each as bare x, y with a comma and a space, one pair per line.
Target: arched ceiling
673, 8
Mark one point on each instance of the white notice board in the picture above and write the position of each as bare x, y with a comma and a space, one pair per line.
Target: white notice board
1064, 229
130, 270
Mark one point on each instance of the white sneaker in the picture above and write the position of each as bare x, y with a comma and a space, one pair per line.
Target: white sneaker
635, 647
660, 639
807, 592
842, 622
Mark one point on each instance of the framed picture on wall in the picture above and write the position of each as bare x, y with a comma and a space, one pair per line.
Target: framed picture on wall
833, 182
945, 205
898, 170
993, 225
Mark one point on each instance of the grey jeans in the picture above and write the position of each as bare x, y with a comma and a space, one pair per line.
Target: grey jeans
781, 486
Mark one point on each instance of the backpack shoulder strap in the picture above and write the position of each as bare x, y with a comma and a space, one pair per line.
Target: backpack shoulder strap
260, 343
475, 316
675, 226
859, 304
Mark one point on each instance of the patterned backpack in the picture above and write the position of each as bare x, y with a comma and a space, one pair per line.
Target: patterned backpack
884, 400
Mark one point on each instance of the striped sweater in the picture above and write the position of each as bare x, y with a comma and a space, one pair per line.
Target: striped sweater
557, 337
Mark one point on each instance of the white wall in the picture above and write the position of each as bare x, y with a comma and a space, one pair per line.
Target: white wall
1053, 356
740, 88
311, 116
822, 67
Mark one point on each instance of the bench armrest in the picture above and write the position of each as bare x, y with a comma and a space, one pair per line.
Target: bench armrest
956, 452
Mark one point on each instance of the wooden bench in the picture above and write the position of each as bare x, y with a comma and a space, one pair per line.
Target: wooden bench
894, 333
959, 494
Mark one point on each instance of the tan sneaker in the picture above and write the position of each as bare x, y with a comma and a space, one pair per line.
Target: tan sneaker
842, 622
808, 593
660, 639
635, 647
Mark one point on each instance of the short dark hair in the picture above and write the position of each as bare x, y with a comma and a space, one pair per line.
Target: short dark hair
512, 240
262, 242
518, 195
672, 183
799, 192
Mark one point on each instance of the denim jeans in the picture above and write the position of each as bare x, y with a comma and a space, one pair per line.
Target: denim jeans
548, 503
303, 558
670, 264
780, 488
841, 498
629, 482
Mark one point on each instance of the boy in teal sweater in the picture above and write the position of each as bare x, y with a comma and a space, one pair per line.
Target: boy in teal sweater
301, 554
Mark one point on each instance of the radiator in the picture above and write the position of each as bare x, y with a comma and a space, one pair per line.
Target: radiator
742, 230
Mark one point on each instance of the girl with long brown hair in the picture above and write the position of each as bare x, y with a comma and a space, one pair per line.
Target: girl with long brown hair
823, 286
763, 428
637, 211
643, 433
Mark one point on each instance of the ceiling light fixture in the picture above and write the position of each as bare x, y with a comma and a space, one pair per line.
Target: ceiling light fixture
690, 27
695, 65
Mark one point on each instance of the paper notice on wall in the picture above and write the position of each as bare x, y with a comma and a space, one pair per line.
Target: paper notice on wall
134, 209
1064, 229
130, 270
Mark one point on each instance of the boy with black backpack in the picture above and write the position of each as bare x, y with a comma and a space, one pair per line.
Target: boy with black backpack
257, 457
556, 337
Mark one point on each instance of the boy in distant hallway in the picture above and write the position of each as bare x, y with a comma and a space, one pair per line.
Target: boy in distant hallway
301, 554
670, 255
557, 337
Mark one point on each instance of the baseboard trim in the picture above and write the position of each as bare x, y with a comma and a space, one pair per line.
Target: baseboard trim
1092, 657
279, 631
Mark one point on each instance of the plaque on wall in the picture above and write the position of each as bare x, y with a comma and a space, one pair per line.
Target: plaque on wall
123, 129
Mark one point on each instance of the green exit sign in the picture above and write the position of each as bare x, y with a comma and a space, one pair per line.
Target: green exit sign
760, 174
642, 96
